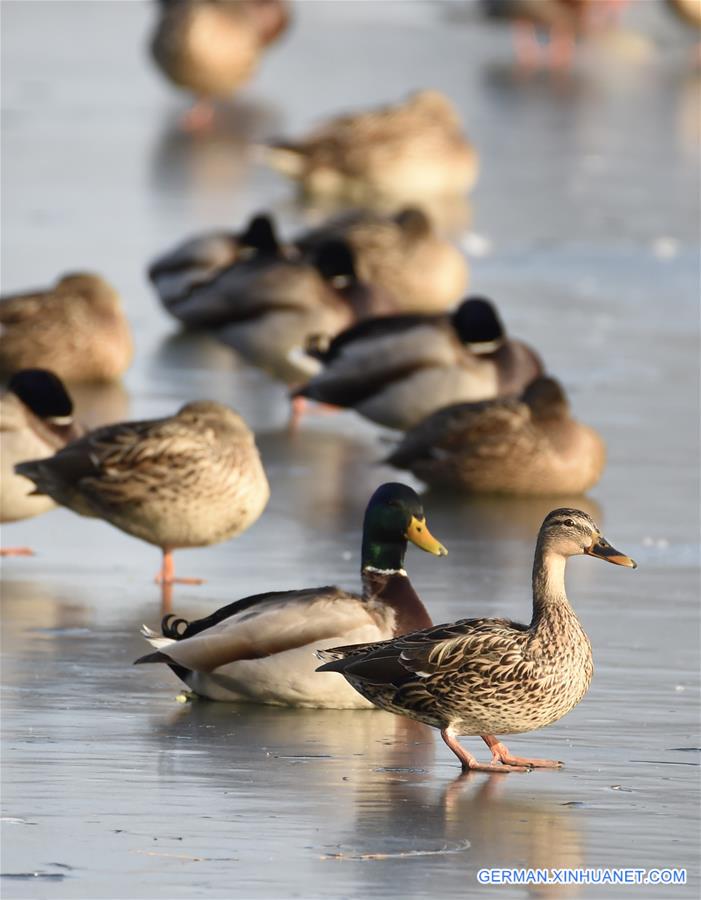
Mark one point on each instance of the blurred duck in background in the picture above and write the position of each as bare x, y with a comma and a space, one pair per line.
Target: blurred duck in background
77, 329
406, 151
212, 47
530, 446
261, 648
689, 12
401, 254
562, 22
36, 420
399, 369
188, 480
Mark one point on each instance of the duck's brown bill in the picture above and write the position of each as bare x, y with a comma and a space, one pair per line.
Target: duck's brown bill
418, 534
604, 550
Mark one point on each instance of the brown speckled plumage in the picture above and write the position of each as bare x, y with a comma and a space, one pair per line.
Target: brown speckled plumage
490, 676
188, 480
410, 150
77, 329
525, 447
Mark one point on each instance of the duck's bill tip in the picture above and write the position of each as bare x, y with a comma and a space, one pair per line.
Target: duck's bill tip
418, 534
603, 550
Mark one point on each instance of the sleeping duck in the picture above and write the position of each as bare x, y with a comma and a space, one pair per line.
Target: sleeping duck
398, 369
76, 329
261, 648
195, 262
401, 254
188, 480
407, 150
212, 47
525, 447
36, 420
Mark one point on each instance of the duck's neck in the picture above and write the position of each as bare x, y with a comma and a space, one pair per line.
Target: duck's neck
549, 595
385, 581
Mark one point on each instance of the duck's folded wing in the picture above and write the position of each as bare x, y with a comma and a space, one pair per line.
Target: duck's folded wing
272, 623
372, 329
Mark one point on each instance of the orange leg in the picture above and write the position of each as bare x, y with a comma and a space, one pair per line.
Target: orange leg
561, 50
199, 118
526, 46
500, 754
16, 551
298, 406
468, 761
167, 573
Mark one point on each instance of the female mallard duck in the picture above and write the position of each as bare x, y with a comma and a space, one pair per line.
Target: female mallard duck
212, 47
401, 254
36, 420
397, 370
188, 480
76, 329
260, 649
197, 261
491, 676
527, 446
407, 150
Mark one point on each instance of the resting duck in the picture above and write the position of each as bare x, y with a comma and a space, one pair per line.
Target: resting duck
212, 47
525, 447
399, 369
408, 150
491, 676
261, 649
401, 254
77, 329
197, 261
36, 420
188, 480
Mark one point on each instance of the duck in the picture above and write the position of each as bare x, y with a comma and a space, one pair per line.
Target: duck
212, 47
76, 329
402, 254
195, 262
397, 370
187, 480
525, 447
406, 151
260, 649
491, 677
36, 420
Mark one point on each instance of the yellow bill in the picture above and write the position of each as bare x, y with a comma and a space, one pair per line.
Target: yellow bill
418, 534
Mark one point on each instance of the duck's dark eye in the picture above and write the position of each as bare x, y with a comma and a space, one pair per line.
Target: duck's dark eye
569, 523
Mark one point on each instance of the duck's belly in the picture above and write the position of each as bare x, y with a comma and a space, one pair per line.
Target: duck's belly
404, 403
285, 679
16, 500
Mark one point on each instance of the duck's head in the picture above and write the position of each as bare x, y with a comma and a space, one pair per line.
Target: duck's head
259, 237
571, 532
335, 263
394, 516
44, 394
546, 398
478, 325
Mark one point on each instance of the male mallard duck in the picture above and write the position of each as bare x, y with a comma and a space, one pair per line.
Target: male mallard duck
399, 369
526, 446
187, 480
76, 329
491, 676
212, 47
401, 254
260, 648
36, 420
407, 150
195, 262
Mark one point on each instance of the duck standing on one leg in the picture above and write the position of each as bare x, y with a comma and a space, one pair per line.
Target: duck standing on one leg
261, 648
188, 480
491, 676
